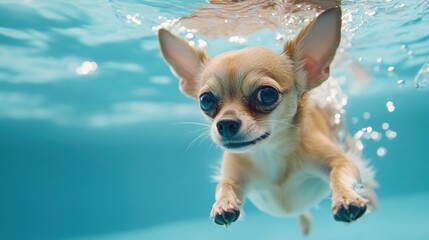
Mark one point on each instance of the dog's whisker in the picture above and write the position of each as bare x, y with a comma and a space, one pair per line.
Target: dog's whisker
199, 136
193, 123
213, 144
204, 138
198, 130
205, 126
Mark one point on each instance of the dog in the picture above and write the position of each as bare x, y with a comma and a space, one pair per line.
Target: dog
281, 149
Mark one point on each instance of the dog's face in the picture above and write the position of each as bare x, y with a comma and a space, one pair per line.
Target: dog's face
250, 94
247, 94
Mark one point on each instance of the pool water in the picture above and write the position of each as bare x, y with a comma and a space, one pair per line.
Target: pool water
94, 134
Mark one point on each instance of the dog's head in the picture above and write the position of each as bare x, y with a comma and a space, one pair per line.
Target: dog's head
252, 93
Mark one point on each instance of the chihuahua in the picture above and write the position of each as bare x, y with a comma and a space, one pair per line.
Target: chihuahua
281, 149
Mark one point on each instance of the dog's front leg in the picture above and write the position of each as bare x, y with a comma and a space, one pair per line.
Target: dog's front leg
347, 205
230, 189
226, 209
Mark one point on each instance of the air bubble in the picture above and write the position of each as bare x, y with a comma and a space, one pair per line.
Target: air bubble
358, 135
400, 82
370, 13
359, 145
364, 132
202, 44
390, 134
381, 151
390, 106
385, 126
369, 129
379, 60
237, 39
337, 121
279, 38
375, 136
366, 115
133, 19
189, 36
337, 117
391, 69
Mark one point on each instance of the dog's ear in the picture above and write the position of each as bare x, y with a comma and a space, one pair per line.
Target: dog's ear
313, 49
184, 60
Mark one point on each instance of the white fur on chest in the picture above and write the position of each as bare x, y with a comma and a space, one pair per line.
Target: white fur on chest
275, 194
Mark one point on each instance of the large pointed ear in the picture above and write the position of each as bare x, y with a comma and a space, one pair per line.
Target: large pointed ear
313, 49
184, 60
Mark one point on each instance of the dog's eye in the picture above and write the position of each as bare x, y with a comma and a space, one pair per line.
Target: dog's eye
267, 96
208, 103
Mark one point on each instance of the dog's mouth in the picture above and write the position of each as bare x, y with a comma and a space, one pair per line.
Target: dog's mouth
240, 145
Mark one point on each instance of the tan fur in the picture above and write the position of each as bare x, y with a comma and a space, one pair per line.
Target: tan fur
301, 161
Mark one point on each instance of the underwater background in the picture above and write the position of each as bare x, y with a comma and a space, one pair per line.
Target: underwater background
94, 134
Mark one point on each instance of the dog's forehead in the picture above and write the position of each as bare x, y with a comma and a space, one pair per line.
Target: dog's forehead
243, 68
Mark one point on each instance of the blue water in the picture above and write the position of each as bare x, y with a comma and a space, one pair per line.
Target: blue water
93, 143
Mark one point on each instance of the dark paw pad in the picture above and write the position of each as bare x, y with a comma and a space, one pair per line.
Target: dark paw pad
351, 214
227, 217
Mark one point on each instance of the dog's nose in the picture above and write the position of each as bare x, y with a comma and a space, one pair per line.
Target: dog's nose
228, 127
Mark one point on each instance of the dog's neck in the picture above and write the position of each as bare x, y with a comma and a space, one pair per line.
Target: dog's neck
282, 143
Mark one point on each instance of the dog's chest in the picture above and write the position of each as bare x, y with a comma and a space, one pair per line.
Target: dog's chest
283, 189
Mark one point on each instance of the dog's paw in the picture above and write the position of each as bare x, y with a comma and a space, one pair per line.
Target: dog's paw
225, 211
348, 208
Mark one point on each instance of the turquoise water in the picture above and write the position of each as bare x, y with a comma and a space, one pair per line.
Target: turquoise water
93, 143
